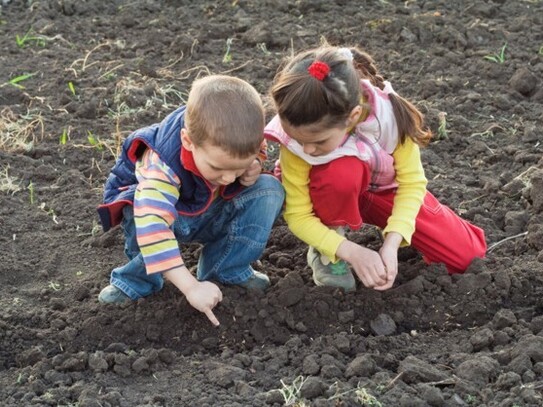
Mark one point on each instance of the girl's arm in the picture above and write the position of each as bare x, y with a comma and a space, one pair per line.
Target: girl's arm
411, 191
299, 209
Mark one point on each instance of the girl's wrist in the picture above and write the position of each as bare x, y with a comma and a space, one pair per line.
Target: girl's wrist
393, 240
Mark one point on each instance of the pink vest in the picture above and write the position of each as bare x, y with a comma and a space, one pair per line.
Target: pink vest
373, 140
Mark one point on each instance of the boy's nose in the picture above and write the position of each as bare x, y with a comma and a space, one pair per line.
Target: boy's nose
229, 178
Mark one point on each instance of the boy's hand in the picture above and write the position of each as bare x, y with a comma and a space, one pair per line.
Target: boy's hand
204, 296
251, 174
367, 263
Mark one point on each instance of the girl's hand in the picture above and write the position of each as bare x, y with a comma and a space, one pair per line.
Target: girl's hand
251, 174
367, 263
389, 255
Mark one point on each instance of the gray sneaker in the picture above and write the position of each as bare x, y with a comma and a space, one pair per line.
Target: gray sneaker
113, 295
258, 281
331, 274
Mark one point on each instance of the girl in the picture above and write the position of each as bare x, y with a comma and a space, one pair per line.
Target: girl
350, 154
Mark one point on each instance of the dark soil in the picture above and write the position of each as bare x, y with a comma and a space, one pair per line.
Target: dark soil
433, 340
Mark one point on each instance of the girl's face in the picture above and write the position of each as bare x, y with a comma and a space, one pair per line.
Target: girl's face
314, 139
317, 140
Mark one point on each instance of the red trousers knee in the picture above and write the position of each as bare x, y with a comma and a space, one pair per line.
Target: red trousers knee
340, 196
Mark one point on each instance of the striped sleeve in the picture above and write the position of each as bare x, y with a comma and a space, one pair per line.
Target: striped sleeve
154, 213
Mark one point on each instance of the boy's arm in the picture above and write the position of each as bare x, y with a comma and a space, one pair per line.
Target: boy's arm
299, 209
154, 213
410, 193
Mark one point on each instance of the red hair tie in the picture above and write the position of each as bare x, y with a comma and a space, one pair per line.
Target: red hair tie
319, 70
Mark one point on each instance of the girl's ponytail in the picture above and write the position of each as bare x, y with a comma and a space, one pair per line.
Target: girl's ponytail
409, 119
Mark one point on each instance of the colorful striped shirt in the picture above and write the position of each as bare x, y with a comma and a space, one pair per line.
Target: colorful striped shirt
154, 213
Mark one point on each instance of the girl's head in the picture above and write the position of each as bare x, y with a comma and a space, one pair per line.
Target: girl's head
318, 97
326, 98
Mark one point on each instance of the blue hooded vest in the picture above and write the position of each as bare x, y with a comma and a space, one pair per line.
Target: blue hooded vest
165, 139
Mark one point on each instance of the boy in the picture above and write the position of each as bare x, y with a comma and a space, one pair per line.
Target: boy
195, 177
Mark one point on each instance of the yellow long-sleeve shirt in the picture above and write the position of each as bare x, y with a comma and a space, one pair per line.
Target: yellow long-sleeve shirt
306, 226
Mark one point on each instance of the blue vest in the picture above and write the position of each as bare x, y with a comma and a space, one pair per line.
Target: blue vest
165, 139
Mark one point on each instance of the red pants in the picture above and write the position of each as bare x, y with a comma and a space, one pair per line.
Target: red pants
340, 196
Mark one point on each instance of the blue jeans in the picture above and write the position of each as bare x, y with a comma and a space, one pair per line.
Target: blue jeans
234, 234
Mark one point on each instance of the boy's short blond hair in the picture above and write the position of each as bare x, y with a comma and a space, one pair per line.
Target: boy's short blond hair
226, 112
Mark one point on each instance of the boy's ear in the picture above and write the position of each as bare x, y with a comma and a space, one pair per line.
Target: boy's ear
186, 141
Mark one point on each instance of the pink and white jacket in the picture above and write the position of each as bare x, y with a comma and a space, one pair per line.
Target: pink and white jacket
373, 140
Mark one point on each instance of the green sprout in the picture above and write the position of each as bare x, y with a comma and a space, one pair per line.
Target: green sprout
498, 57
94, 141
442, 129
227, 55
540, 52
15, 81
71, 86
63, 139
28, 38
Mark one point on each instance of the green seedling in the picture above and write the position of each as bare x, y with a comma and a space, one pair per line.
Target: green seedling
28, 38
227, 55
442, 129
94, 141
498, 57
71, 86
63, 139
15, 81
540, 52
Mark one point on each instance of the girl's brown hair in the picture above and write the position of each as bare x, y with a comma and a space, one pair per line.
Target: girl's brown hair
302, 99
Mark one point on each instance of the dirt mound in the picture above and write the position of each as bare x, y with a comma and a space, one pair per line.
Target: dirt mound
77, 77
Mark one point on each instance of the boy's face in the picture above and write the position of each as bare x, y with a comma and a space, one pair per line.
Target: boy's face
216, 166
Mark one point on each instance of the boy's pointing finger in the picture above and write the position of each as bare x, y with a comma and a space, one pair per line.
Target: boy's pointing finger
211, 316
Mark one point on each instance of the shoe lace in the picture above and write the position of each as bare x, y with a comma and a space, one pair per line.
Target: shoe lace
339, 268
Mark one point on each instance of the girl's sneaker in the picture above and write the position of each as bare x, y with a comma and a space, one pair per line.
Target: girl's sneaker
331, 274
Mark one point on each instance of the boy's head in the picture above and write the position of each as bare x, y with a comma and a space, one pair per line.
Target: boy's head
224, 127
225, 112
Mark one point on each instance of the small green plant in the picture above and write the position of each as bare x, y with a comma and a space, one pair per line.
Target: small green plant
71, 86
540, 52
291, 393
227, 58
471, 400
63, 139
94, 141
498, 57
16, 80
28, 38
442, 129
